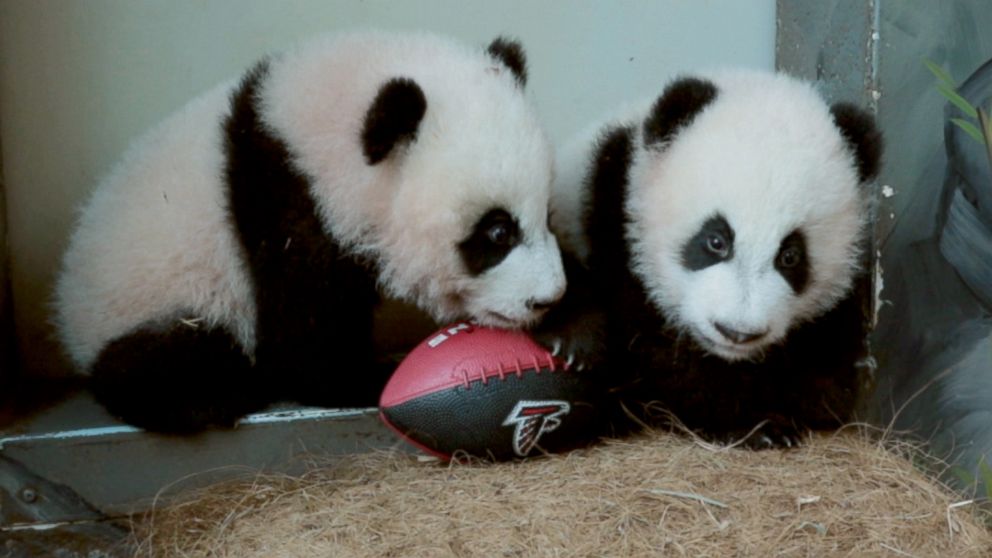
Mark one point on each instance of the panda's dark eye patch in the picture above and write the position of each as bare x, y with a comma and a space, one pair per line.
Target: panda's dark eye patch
791, 261
713, 243
493, 236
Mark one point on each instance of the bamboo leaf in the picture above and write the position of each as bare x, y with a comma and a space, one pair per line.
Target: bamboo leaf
964, 476
986, 472
983, 467
957, 100
969, 129
986, 127
939, 73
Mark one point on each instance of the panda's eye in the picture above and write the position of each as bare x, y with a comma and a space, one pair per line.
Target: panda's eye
717, 245
790, 257
500, 229
499, 234
492, 237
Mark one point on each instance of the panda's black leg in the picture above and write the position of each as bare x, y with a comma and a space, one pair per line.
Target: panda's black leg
349, 382
180, 379
324, 367
575, 328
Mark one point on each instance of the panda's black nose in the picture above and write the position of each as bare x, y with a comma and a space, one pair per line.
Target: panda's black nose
740, 337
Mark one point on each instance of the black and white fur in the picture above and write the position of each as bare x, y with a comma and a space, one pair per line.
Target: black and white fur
720, 232
236, 254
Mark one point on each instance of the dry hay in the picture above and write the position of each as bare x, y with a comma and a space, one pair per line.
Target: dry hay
655, 495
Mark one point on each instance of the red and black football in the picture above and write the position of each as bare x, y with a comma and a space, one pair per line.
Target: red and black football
489, 393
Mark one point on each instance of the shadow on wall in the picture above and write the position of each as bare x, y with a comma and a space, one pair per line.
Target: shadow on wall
937, 351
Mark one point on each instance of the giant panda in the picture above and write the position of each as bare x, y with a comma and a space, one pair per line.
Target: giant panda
714, 240
237, 254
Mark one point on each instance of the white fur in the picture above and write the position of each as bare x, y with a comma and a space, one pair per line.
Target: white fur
154, 239
766, 155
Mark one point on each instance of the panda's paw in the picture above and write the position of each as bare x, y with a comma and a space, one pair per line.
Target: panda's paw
581, 345
771, 434
576, 354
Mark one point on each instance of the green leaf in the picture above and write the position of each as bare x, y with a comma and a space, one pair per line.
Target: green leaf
964, 476
986, 472
984, 469
957, 100
986, 127
939, 73
969, 128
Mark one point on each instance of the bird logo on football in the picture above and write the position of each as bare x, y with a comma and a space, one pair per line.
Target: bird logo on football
533, 419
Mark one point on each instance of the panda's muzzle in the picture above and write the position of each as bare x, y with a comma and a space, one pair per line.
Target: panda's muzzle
737, 336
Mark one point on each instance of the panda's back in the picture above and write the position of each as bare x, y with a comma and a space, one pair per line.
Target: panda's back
154, 242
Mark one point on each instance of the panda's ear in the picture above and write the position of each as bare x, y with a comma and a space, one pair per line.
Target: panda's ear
511, 54
675, 109
861, 135
393, 117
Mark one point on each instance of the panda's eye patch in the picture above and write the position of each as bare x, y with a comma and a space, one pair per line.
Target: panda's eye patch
493, 236
791, 261
713, 243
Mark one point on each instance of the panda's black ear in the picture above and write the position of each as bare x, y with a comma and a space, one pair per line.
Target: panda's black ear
511, 54
861, 135
675, 109
394, 117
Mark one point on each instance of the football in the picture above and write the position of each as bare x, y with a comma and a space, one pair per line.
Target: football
490, 393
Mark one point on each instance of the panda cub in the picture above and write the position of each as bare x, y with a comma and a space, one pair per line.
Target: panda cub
236, 255
720, 236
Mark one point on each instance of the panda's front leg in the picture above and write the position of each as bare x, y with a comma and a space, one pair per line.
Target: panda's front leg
315, 333
575, 329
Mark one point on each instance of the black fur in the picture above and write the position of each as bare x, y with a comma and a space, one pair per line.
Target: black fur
676, 108
807, 382
393, 117
176, 378
701, 251
792, 262
511, 54
493, 237
314, 301
862, 136
607, 181
577, 324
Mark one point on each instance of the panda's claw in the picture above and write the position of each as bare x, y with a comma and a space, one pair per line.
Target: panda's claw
556, 346
773, 434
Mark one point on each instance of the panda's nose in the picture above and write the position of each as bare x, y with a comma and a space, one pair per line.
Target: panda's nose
737, 336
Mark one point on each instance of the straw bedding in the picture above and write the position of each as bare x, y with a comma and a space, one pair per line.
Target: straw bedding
654, 495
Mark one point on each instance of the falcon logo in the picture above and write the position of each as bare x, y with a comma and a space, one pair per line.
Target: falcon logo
532, 419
